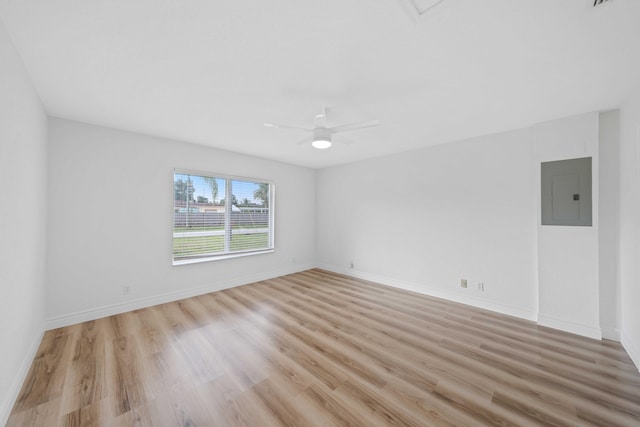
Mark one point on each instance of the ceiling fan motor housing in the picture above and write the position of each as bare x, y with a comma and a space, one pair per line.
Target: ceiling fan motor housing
321, 134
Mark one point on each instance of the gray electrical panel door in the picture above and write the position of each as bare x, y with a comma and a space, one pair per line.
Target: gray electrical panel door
566, 192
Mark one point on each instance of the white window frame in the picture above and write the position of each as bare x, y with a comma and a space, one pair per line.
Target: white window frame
227, 254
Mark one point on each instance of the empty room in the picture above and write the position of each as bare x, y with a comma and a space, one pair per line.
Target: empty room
320, 213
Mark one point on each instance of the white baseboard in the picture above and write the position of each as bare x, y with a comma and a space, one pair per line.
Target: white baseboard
110, 310
574, 328
434, 292
18, 379
502, 308
633, 349
610, 333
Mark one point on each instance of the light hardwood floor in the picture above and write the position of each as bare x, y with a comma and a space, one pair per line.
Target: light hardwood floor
320, 349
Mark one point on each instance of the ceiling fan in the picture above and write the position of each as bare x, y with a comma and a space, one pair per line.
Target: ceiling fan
322, 136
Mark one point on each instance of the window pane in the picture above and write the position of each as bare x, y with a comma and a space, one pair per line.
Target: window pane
250, 228
198, 216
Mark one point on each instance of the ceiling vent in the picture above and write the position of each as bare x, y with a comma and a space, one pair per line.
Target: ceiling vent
424, 6
419, 9
597, 3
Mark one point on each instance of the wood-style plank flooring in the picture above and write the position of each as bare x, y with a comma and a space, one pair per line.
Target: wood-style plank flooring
320, 349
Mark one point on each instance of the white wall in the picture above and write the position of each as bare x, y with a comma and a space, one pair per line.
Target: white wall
568, 257
609, 226
424, 219
630, 225
111, 213
22, 222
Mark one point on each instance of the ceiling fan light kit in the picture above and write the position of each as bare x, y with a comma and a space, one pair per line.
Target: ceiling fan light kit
321, 144
321, 138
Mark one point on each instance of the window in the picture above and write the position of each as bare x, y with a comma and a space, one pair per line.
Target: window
206, 226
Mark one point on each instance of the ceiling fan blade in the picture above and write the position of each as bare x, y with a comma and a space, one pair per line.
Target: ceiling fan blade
354, 126
279, 126
343, 140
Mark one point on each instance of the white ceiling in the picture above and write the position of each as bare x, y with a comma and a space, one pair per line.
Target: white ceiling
212, 72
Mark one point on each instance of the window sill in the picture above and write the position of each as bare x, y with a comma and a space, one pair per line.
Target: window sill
221, 257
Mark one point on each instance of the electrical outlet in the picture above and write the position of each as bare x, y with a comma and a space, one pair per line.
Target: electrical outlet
126, 290
293, 260
463, 283
351, 265
480, 286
